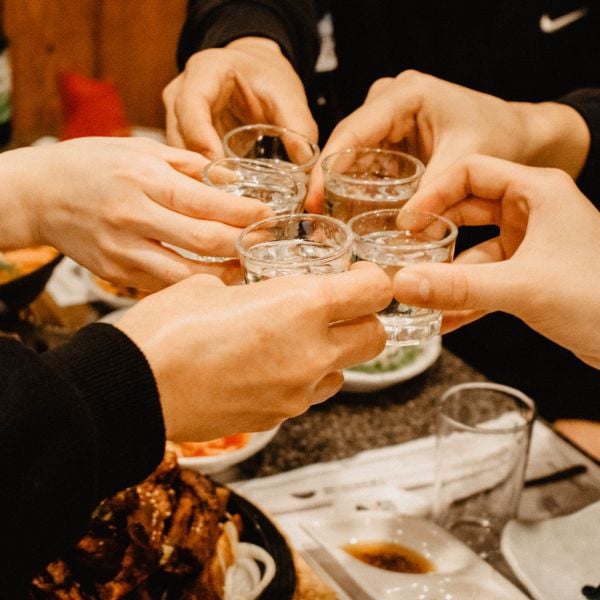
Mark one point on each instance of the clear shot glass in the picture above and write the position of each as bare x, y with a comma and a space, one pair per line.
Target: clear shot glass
294, 245
274, 186
359, 180
280, 146
393, 238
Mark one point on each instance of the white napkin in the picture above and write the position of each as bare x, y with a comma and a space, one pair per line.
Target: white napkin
69, 284
407, 466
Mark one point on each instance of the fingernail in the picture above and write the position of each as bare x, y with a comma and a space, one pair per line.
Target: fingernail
414, 280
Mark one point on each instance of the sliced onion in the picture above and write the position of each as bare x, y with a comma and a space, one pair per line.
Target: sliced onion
243, 580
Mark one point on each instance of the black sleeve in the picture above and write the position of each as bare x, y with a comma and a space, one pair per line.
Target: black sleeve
76, 424
587, 103
290, 23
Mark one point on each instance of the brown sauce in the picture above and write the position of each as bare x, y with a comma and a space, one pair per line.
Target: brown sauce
390, 556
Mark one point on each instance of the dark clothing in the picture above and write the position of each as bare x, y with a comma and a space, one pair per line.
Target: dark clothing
77, 424
497, 47
514, 49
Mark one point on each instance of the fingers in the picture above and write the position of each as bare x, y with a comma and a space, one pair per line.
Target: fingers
190, 101
363, 290
327, 387
183, 195
357, 341
475, 176
292, 112
486, 287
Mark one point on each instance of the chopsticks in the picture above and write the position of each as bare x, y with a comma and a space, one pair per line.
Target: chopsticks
567, 473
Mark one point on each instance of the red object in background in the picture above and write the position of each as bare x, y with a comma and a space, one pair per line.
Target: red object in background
90, 107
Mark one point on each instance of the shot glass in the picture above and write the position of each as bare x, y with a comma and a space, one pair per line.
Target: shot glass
280, 146
274, 186
483, 431
393, 238
359, 180
294, 245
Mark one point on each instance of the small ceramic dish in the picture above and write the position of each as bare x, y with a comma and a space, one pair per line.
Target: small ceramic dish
219, 462
394, 365
458, 573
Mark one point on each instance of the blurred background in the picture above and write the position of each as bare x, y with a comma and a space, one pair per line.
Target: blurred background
131, 44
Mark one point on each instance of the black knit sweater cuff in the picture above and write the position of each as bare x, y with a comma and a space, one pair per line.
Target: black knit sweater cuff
229, 22
114, 378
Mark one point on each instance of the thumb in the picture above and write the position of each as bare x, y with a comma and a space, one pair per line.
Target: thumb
442, 157
457, 286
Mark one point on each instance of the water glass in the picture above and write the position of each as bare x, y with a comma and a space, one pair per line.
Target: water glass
294, 245
483, 431
393, 238
358, 180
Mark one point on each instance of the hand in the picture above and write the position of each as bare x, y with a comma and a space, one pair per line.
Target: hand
542, 268
108, 202
441, 122
248, 81
244, 358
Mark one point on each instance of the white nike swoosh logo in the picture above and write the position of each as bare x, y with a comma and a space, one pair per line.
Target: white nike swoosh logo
549, 25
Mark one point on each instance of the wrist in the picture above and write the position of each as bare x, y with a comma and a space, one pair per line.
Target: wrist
19, 226
255, 43
556, 136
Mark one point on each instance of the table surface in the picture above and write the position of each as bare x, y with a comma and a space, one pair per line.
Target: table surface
349, 423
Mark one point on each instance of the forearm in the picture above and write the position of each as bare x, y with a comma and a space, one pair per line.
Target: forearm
292, 24
20, 216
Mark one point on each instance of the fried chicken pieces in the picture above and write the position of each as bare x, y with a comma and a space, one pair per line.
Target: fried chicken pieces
155, 540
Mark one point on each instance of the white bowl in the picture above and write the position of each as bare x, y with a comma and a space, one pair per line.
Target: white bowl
219, 462
421, 358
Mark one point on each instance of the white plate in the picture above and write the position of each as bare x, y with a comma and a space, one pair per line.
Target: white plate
556, 557
425, 355
459, 573
220, 462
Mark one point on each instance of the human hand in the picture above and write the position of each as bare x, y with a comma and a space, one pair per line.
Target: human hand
109, 202
543, 266
244, 358
248, 81
440, 122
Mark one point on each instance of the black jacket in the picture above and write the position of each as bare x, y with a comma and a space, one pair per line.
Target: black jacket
77, 424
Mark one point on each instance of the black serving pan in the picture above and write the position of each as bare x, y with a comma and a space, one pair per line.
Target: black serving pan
23, 290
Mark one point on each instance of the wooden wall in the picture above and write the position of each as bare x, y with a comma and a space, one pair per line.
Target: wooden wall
129, 42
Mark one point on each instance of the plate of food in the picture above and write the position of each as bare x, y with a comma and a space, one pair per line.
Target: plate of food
176, 535
394, 365
24, 273
217, 455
